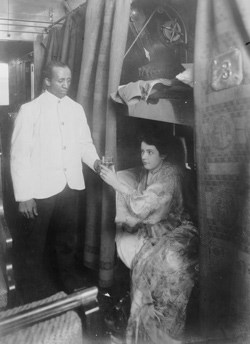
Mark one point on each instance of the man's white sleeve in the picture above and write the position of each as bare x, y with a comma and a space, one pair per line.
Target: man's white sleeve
89, 153
21, 146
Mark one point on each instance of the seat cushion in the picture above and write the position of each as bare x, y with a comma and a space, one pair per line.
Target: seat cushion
62, 329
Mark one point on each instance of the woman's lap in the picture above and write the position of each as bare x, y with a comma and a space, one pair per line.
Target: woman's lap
128, 245
162, 280
163, 273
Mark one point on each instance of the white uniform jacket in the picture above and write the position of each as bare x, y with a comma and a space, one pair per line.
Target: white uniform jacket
51, 139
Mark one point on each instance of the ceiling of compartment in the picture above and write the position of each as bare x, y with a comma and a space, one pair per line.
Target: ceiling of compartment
23, 19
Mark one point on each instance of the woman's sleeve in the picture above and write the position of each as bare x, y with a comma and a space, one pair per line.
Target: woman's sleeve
157, 195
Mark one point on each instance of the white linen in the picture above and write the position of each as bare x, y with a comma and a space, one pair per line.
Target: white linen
128, 245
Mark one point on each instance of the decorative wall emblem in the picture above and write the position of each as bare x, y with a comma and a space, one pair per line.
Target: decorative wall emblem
170, 26
227, 70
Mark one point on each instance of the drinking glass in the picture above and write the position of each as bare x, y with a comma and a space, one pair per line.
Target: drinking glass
108, 161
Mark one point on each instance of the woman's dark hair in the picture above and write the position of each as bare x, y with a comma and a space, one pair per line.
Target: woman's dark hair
48, 70
171, 147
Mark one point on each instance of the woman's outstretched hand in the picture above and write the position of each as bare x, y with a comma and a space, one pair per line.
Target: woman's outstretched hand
110, 177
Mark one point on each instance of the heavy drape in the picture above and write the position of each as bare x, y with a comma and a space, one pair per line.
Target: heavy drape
223, 149
92, 41
104, 47
63, 44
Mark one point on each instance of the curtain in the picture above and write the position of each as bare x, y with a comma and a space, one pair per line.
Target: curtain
63, 44
104, 47
222, 116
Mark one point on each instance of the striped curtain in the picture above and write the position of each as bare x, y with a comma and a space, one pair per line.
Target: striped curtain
104, 47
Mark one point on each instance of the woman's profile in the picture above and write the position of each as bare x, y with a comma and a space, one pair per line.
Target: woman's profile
157, 240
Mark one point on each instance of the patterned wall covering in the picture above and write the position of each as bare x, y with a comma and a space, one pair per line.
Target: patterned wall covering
222, 100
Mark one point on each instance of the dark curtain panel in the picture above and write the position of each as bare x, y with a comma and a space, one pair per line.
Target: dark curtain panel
104, 47
63, 43
222, 88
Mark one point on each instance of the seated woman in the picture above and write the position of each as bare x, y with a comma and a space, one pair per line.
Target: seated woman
157, 241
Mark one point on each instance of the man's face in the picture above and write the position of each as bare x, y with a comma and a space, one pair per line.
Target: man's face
60, 81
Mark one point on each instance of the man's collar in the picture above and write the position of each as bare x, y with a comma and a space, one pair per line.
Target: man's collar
55, 98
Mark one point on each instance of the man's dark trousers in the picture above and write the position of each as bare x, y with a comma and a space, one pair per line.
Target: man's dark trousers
57, 214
